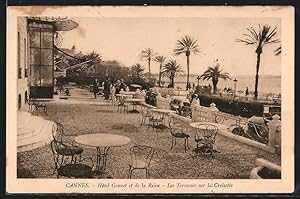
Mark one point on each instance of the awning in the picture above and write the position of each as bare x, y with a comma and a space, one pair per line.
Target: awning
65, 25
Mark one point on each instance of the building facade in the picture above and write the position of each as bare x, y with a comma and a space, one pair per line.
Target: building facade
35, 56
22, 62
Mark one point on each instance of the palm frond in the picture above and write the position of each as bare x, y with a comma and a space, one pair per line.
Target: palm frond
184, 44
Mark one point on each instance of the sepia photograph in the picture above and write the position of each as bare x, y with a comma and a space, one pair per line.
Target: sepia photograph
150, 99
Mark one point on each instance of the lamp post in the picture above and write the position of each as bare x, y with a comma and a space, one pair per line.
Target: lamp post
235, 82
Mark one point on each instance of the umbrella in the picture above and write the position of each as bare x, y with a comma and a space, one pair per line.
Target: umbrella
65, 25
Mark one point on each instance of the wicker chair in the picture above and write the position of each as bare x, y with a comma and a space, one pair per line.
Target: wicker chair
205, 138
140, 158
178, 132
63, 150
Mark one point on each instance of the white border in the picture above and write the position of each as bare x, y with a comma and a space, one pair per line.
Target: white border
285, 185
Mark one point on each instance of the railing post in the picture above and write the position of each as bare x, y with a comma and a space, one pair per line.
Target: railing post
275, 132
211, 112
195, 109
168, 104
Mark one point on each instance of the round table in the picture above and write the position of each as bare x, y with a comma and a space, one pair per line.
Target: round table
102, 142
159, 110
121, 95
163, 113
218, 125
134, 103
128, 93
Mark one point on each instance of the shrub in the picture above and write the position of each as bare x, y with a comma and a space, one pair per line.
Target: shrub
234, 107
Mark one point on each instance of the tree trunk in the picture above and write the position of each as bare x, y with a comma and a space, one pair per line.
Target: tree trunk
214, 82
159, 77
188, 71
149, 69
257, 76
172, 82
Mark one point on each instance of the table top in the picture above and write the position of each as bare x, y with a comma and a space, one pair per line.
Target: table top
40, 100
128, 93
121, 95
134, 100
163, 110
218, 125
102, 140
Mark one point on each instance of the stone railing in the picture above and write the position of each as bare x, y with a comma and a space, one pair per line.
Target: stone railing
212, 114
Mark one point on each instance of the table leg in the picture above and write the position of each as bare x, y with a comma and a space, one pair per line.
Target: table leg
101, 159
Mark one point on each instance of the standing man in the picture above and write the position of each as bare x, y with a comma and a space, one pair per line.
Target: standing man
246, 92
106, 89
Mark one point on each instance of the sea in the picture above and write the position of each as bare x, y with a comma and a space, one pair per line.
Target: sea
266, 83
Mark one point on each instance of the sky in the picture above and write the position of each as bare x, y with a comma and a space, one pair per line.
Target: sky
123, 39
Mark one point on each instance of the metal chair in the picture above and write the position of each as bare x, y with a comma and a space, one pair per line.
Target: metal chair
205, 138
178, 132
146, 113
122, 105
140, 158
63, 150
156, 121
73, 169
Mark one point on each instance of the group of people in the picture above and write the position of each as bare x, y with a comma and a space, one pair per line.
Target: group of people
108, 87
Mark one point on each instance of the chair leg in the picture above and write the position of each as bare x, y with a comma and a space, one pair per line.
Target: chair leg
129, 173
142, 120
147, 173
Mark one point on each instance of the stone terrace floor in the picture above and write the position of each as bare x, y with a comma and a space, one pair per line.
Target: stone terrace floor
235, 161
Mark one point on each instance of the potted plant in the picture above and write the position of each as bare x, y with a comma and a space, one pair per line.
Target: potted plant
265, 170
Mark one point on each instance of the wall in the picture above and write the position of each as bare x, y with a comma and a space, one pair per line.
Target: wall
22, 83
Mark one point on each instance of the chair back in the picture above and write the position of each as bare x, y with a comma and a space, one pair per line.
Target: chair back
58, 131
206, 132
141, 155
175, 128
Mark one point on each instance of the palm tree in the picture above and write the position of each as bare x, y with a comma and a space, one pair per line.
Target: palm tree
186, 45
259, 39
148, 54
214, 73
137, 70
160, 60
171, 69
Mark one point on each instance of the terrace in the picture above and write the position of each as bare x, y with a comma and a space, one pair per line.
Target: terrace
81, 114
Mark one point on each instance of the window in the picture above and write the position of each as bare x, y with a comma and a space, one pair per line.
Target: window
41, 53
25, 58
19, 101
25, 97
18, 58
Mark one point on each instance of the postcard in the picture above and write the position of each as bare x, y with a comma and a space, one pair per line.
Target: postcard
150, 99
